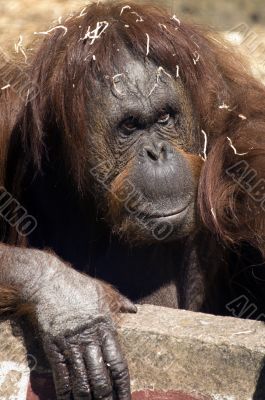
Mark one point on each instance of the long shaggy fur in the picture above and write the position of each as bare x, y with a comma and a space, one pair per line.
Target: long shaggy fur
65, 67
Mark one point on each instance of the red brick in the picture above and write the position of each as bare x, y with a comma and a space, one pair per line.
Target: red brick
41, 388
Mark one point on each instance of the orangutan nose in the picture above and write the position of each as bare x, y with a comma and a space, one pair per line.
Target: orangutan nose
156, 151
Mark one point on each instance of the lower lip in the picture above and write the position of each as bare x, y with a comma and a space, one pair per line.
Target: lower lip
170, 217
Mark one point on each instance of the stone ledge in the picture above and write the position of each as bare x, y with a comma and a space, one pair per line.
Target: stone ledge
172, 355
220, 358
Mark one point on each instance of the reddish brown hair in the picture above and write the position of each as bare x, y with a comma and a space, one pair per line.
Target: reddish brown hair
64, 69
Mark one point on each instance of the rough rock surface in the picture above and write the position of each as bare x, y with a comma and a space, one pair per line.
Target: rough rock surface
173, 355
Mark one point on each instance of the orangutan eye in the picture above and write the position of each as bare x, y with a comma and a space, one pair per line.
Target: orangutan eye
130, 125
164, 118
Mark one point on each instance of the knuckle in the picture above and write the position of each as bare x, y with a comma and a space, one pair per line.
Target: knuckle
63, 391
81, 392
62, 383
101, 390
100, 382
120, 371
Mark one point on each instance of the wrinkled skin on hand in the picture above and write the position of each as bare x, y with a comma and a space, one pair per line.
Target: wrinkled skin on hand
80, 341
87, 362
75, 319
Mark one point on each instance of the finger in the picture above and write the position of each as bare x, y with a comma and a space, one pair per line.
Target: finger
78, 374
113, 356
126, 306
116, 301
60, 372
99, 376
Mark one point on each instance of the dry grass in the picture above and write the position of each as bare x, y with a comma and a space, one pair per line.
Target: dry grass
23, 17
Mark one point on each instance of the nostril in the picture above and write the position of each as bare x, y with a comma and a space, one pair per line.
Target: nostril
163, 150
156, 151
152, 154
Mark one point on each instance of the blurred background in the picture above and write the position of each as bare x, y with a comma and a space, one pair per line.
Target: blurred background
242, 21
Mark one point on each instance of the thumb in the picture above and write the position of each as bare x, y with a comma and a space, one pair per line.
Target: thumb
126, 306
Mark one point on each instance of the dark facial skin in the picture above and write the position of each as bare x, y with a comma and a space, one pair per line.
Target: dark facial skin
142, 130
147, 132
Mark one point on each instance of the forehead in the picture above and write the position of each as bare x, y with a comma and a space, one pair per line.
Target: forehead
138, 77
140, 87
